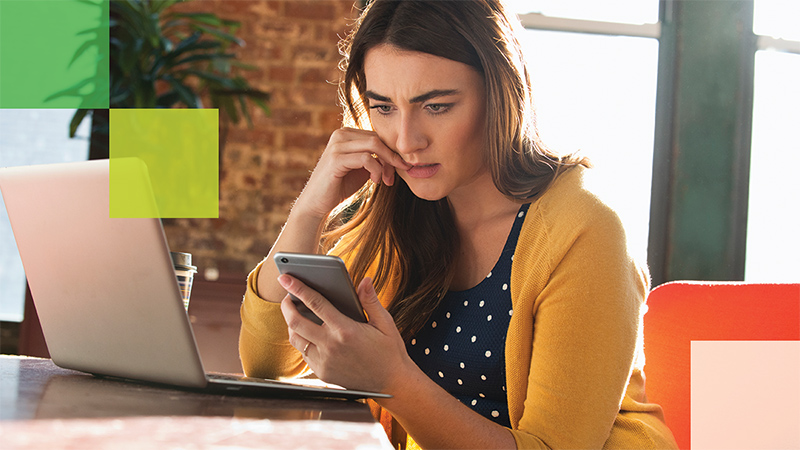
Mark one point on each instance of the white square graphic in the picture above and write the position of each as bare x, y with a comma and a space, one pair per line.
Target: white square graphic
745, 395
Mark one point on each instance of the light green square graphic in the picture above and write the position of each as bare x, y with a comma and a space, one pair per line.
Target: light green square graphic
54, 54
180, 149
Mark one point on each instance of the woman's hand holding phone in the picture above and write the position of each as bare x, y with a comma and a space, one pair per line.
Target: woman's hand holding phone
325, 274
343, 351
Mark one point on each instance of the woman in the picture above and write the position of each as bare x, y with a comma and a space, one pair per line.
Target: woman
513, 308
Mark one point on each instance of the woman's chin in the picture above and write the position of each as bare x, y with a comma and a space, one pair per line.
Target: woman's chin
427, 194
424, 189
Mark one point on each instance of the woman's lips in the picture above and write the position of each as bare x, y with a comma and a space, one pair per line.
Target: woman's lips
423, 170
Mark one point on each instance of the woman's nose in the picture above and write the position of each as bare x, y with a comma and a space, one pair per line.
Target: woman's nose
410, 136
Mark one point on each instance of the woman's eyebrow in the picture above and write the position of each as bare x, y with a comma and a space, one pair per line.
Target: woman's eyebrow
378, 97
433, 94
418, 99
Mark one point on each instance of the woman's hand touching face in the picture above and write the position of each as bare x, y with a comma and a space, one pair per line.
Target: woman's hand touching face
351, 158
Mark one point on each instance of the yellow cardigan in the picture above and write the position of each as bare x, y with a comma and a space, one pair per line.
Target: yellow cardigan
574, 351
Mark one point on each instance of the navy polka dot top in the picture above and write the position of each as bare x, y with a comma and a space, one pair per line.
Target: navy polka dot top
462, 346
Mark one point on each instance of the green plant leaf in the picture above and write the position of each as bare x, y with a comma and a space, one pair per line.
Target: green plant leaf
204, 57
150, 42
72, 91
230, 108
170, 24
262, 105
81, 50
221, 65
92, 31
158, 6
245, 112
232, 25
166, 44
185, 93
206, 18
220, 34
210, 77
168, 62
131, 16
188, 42
243, 66
117, 100
248, 92
168, 99
77, 118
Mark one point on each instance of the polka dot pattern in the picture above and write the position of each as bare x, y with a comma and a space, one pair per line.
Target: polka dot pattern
462, 347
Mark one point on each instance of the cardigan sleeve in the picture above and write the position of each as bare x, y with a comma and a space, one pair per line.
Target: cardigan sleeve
264, 346
582, 294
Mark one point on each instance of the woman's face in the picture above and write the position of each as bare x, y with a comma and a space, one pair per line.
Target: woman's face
431, 111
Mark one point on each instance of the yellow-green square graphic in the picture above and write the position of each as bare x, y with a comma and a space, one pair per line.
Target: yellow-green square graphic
54, 54
180, 149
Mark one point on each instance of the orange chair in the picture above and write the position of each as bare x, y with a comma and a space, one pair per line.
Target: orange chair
685, 311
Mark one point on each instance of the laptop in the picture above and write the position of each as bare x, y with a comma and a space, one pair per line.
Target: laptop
105, 289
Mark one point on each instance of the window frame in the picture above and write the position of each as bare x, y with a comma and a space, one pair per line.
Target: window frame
664, 254
538, 21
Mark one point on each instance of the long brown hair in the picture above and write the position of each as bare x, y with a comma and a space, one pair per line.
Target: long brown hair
414, 241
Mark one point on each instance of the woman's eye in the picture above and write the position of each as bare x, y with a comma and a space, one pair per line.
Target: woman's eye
382, 109
438, 108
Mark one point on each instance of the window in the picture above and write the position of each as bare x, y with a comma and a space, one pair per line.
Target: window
773, 221
594, 66
616, 12
30, 136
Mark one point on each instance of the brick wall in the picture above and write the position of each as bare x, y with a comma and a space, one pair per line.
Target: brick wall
294, 46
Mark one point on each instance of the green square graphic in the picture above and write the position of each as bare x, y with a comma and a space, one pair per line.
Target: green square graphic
54, 54
180, 150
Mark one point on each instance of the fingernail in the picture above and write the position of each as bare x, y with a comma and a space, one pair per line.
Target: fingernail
285, 281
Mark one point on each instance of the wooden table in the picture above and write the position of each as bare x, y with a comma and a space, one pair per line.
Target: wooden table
44, 406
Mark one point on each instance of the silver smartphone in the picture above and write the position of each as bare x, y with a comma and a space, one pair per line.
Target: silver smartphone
326, 275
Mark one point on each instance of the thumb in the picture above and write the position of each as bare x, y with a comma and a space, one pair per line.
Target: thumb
378, 316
